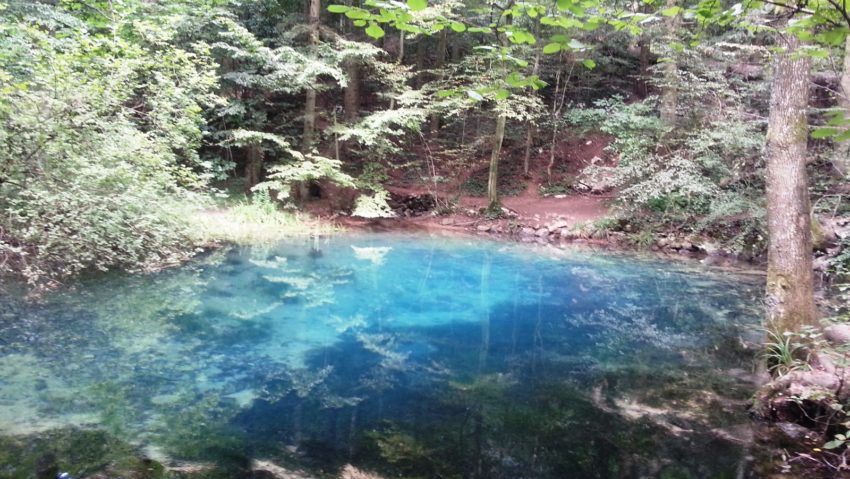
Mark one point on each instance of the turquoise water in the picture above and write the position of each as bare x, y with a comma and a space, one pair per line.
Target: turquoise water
409, 356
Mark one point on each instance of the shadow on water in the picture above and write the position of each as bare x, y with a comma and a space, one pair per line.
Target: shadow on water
495, 400
411, 357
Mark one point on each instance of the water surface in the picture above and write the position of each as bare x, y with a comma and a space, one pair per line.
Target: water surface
410, 356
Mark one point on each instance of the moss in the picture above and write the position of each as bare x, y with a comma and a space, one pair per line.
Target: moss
79, 452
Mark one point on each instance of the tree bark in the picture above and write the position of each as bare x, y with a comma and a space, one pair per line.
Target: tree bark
529, 132
254, 157
493, 178
351, 99
670, 73
642, 85
841, 155
790, 279
310, 97
440, 61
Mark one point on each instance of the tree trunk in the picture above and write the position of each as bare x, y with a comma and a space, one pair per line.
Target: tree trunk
493, 178
351, 99
841, 156
642, 85
670, 73
254, 156
529, 132
790, 280
310, 98
438, 64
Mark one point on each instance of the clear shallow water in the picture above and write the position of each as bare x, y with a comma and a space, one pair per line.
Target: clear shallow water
412, 356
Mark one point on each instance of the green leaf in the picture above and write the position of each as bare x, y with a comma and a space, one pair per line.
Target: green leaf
357, 14
375, 31
577, 45
552, 48
502, 93
564, 4
446, 93
417, 5
458, 27
819, 133
671, 12
589, 64
338, 8
833, 444
514, 79
359, 23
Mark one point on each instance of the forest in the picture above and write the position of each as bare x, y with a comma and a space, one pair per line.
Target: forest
148, 149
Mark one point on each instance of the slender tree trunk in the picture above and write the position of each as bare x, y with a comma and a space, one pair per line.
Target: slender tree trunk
254, 156
790, 280
310, 98
399, 60
841, 156
493, 178
670, 72
351, 99
529, 131
421, 50
438, 64
642, 85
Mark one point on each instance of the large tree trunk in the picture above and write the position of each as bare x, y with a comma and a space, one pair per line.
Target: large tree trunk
493, 178
841, 156
790, 280
670, 72
310, 98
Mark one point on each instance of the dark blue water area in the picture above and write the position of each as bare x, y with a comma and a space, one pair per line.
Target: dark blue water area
412, 356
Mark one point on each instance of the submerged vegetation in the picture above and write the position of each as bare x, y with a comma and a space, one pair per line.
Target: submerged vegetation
268, 353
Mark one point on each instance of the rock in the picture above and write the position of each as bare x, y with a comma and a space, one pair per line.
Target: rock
821, 360
447, 221
821, 263
542, 233
838, 333
558, 225
599, 234
790, 434
526, 231
567, 234
662, 242
560, 197
483, 228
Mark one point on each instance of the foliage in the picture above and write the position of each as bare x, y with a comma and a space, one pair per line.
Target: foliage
374, 206
303, 168
93, 165
782, 353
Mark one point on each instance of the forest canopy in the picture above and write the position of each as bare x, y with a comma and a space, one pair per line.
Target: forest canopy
121, 120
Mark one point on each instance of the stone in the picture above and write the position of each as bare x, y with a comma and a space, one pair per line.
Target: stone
447, 221
558, 225
483, 228
838, 333
822, 361
526, 231
542, 233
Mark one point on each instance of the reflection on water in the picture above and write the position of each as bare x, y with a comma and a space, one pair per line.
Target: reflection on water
414, 357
